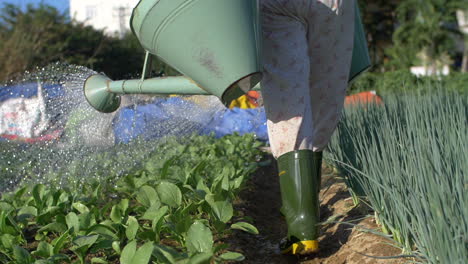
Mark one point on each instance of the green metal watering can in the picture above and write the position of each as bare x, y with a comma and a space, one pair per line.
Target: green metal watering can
219, 51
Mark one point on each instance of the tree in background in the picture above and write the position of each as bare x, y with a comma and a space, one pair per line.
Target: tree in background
462, 16
379, 18
34, 37
404, 33
41, 35
425, 34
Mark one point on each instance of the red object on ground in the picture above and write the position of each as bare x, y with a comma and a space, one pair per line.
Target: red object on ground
253, 97
45, 138
363, 98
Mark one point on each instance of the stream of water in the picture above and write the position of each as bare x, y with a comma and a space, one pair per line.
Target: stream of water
78, 133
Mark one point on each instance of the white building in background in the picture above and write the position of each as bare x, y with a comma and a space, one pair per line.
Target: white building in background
112, 16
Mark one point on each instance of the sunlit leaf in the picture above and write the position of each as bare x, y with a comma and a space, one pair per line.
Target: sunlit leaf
128, 252
199, 238
201, 258
98, 261
245, 227
223, 209
169, 194
232, 256
147, 196
73, 221
81, 241
60, 242
26, 212
132, 228
143, 254
53, 227
44, 250
38, 193
80, 207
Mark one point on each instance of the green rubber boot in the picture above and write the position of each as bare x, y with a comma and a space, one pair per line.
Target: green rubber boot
300, 177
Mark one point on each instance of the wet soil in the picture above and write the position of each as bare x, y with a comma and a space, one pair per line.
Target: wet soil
339, 242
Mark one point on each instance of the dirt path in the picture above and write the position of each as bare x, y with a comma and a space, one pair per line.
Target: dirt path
339, 243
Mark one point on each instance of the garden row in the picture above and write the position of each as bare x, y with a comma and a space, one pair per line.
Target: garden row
409, 158
169, 205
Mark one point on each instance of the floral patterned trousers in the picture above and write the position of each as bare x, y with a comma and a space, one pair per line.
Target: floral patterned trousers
307, 50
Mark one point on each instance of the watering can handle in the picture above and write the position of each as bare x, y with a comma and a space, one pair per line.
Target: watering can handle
147, 66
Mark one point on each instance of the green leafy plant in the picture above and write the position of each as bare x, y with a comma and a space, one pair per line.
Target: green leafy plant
173, 206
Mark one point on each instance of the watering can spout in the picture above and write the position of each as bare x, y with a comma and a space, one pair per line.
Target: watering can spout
98, 95
103, 94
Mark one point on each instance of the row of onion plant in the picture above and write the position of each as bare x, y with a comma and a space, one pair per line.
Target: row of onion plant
409, 159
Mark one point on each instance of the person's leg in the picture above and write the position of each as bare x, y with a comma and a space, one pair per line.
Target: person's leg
331, 39
286, 94
297, 101
285, 85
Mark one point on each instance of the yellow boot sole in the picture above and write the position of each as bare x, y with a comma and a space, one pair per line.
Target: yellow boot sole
302, 248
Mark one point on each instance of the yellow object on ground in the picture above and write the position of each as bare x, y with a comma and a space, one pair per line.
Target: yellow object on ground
250, 100
247, 101
302, 248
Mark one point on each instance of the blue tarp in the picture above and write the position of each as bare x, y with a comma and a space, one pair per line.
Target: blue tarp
29, 90
239, 120
165, 116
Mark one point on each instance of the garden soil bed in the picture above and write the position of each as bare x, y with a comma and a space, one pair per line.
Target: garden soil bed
339, 243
